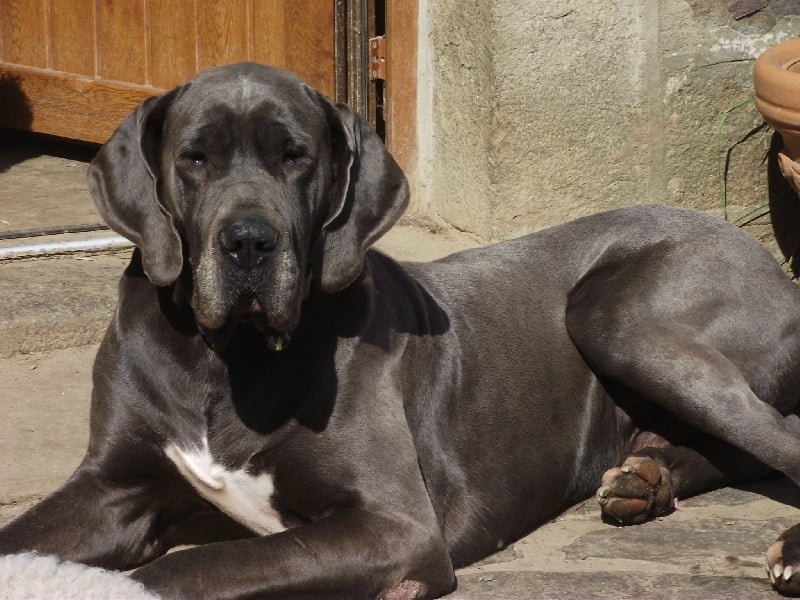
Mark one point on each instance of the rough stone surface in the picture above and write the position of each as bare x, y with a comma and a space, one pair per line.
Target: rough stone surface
44, 307
455, 184
709, 120
608, 585
712, 548
571, 124
44, 183
44, 431
541, 112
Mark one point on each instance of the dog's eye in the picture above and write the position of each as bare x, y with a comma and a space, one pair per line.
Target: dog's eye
293, 157
195, 159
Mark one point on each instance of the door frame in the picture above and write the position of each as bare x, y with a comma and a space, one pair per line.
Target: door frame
389, 105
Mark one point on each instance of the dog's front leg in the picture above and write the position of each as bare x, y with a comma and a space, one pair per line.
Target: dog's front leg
351, 554
89, 520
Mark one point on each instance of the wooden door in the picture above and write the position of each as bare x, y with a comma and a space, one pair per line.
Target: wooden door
76, 68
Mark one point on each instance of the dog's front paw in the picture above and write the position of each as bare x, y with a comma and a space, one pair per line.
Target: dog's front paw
638, 490
783, 562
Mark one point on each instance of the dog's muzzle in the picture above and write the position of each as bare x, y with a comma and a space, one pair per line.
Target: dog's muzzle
251, 254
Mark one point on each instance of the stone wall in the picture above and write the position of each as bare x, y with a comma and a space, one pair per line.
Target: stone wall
533, 112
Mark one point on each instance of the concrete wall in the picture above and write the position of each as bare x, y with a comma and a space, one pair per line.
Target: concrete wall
533, 112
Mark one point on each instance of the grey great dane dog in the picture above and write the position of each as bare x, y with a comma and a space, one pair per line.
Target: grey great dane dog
323, 422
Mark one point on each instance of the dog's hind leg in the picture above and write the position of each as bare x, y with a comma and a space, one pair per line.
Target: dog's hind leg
675, 367
668, 351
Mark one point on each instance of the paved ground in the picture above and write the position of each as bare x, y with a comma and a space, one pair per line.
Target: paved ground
53, 311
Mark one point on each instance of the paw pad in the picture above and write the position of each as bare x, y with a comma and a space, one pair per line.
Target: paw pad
638, 490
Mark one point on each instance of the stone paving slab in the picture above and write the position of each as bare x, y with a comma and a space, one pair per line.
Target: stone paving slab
712, 548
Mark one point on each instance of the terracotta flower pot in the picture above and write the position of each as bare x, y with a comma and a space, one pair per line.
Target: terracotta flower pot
777, 87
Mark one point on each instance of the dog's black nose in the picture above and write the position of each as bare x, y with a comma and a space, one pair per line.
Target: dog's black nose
248, 241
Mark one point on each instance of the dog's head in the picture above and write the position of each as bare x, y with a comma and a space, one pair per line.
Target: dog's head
266, 185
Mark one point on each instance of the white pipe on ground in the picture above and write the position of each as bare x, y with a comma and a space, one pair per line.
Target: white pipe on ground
94, 244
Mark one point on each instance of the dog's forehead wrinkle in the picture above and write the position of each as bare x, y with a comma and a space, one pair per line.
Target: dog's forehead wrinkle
195, 124
217, 128
244, 93
251, 105
283, 130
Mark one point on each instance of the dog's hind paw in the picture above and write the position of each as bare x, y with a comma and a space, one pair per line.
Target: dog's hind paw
638, 490
783, 562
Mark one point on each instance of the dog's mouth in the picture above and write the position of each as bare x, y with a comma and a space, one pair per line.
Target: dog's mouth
247, 305
268, 300
276, 341
249, 309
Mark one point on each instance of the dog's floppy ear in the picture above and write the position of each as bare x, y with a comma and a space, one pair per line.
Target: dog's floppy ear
125, 181
370, 194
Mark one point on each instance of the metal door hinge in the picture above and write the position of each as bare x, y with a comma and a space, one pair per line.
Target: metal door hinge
377, 58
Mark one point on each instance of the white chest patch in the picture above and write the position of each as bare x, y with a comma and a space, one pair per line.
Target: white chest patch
243, 497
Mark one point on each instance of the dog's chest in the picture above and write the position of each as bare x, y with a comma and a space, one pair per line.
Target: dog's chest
241, 495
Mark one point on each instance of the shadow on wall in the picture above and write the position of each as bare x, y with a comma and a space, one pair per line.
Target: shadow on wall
784, 207
15, 109
17, 142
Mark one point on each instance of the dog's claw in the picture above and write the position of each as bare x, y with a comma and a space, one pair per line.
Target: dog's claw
781, 552
780, 574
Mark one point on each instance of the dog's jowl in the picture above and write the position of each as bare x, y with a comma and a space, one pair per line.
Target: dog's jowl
345, 426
